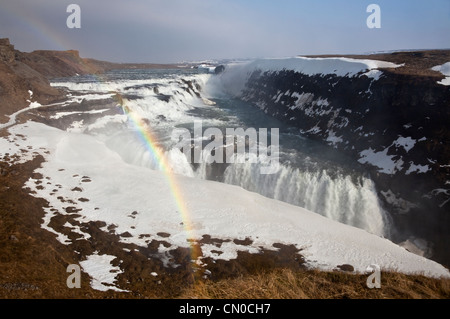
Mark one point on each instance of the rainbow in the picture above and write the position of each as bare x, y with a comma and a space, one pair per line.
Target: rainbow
146, 135
149, 139
36, 27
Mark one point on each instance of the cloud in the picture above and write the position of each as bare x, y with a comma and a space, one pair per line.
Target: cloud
174, 30
198, 26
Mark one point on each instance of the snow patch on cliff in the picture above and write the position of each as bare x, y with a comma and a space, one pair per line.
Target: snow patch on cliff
382, 160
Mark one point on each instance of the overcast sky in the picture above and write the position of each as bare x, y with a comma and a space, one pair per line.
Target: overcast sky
180, 30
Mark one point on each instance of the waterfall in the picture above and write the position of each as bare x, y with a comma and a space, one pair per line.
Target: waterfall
338, 198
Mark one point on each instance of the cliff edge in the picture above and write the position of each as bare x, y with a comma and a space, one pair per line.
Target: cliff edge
389, 112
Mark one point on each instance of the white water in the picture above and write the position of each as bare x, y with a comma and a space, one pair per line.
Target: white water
136, 152
337, 198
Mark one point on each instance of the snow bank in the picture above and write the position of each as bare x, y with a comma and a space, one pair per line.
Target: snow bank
115, 189
445, 70
236, 75
382, 160
103, 274
391, 164
314, 66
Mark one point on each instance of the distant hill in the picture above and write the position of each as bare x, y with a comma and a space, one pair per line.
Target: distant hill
21, 72
69, 63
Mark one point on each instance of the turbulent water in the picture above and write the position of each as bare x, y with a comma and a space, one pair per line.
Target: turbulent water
310, 174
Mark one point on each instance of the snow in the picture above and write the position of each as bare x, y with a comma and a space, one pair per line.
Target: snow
314, 66
314, 130
407, 143
59, 115
12, 117
419, 169
374, 74
235, 76
385, 162
216, 209
103, 274
333, 139
445, 70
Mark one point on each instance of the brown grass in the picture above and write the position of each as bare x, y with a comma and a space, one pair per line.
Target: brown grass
314, 284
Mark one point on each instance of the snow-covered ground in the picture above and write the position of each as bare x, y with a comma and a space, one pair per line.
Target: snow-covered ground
235, 80
313, 66
114, 189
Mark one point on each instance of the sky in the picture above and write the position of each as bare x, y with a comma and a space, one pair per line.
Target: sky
166, 31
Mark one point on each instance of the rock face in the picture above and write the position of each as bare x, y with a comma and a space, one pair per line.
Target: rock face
17, 79
53, 64
395, 121
6, 51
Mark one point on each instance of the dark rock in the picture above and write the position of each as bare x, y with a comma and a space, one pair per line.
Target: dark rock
219, 69
126, 234
163, 234
246, 242
346, 267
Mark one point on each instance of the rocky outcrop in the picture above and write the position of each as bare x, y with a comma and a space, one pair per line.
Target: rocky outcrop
6, 51
17, 80
56, 64
393, 121
53, 64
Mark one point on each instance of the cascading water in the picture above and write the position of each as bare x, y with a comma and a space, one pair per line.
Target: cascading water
338, 198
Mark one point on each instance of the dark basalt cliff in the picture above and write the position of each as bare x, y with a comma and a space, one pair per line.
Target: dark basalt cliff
396, 124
